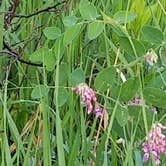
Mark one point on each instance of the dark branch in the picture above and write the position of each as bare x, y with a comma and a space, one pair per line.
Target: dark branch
21, 60
48, 9
10, 14
17, 56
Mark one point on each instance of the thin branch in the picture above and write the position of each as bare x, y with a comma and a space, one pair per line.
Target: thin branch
17, 56
10, 14
48, 9
21, 60
30, 63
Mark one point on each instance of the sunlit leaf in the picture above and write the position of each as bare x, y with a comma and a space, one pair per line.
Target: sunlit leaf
71, 32
52, 33
105, 79
124, 16
152, 34
95, 29
87, 10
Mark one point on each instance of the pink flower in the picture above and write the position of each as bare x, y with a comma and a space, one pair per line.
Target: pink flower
86, 93
98, 110
135, 102
155, 143
88, 97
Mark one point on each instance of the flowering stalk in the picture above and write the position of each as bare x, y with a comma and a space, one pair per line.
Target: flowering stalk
88, 97
155, 143
151, 57
137, 101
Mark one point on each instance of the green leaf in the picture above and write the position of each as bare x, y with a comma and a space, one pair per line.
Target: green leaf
70, 33
152, 35
125, 17
50, 61
147, 13
121, 116
56, 48
64, 74
118, 30
76, 77
62, 96
69, 21
39, 91
45, 56
156, 79
138, 158
128, 89
126, 45
163, 55
155, 96
138, 6
105, 79
3, 62
39, 54
52, 33
2, 30
95, 29
74, 149
87, 10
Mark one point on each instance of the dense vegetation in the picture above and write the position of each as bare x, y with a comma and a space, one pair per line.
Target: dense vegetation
82, 82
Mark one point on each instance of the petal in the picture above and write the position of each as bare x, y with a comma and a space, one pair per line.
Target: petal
146, 157
89, 108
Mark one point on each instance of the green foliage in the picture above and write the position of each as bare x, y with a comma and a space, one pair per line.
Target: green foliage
62, 96
138, 158
123, 17
87, 10
105, 79
156, 79
64, 74
70, 20
45, 56
126, 44
71, 32
152, 35
155, 96
39, 91
121, 116
129, 89
52, 33
48, 48
95, 29
76, 77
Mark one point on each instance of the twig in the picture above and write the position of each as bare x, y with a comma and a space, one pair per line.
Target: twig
11, 54
10, 14
17, 56
48, 9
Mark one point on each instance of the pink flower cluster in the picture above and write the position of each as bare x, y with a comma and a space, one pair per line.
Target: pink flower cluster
155, 143
135, 102
88, 97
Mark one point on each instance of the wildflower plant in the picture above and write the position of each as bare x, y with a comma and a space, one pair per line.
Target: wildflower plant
155, 143
88, 97
47, 47
151, 57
